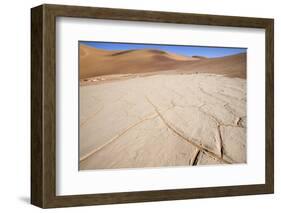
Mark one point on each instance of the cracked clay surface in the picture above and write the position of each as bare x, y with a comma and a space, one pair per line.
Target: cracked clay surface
163, 120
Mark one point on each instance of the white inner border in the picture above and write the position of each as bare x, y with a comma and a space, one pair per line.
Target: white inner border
70, 181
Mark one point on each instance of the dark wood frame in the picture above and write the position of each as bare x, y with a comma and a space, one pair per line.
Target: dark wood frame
43, 105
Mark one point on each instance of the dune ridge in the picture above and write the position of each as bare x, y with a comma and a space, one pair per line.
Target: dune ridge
97, 62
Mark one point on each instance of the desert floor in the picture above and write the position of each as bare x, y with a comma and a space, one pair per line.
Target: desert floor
162, 120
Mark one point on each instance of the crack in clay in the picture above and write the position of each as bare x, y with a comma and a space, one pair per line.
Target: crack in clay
115, 138
174, 91
219, 124
232, 97
203, 102
235, 88
221, 141
217, 121
148, 117
225, 105
229, 158
92, 116
173, 129
239, 121
209, 94
194, 160
229, 109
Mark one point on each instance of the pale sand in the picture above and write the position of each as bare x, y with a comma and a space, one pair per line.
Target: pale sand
163, 120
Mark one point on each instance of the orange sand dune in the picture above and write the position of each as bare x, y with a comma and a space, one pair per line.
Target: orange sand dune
230, 66
96, 62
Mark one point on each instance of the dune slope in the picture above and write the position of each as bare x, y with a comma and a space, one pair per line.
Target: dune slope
96, 62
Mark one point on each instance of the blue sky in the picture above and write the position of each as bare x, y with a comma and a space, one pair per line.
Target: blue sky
210, 52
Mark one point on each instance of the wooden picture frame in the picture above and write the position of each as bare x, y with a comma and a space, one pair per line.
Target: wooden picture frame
43, 105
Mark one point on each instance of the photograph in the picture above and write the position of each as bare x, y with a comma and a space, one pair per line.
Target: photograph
149, 104
161, 105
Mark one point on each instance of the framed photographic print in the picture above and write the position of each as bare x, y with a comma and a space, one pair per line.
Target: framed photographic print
136, 106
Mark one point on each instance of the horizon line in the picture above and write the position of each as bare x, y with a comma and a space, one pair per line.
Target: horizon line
183, 50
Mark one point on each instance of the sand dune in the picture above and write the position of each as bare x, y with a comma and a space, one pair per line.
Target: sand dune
96, 62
